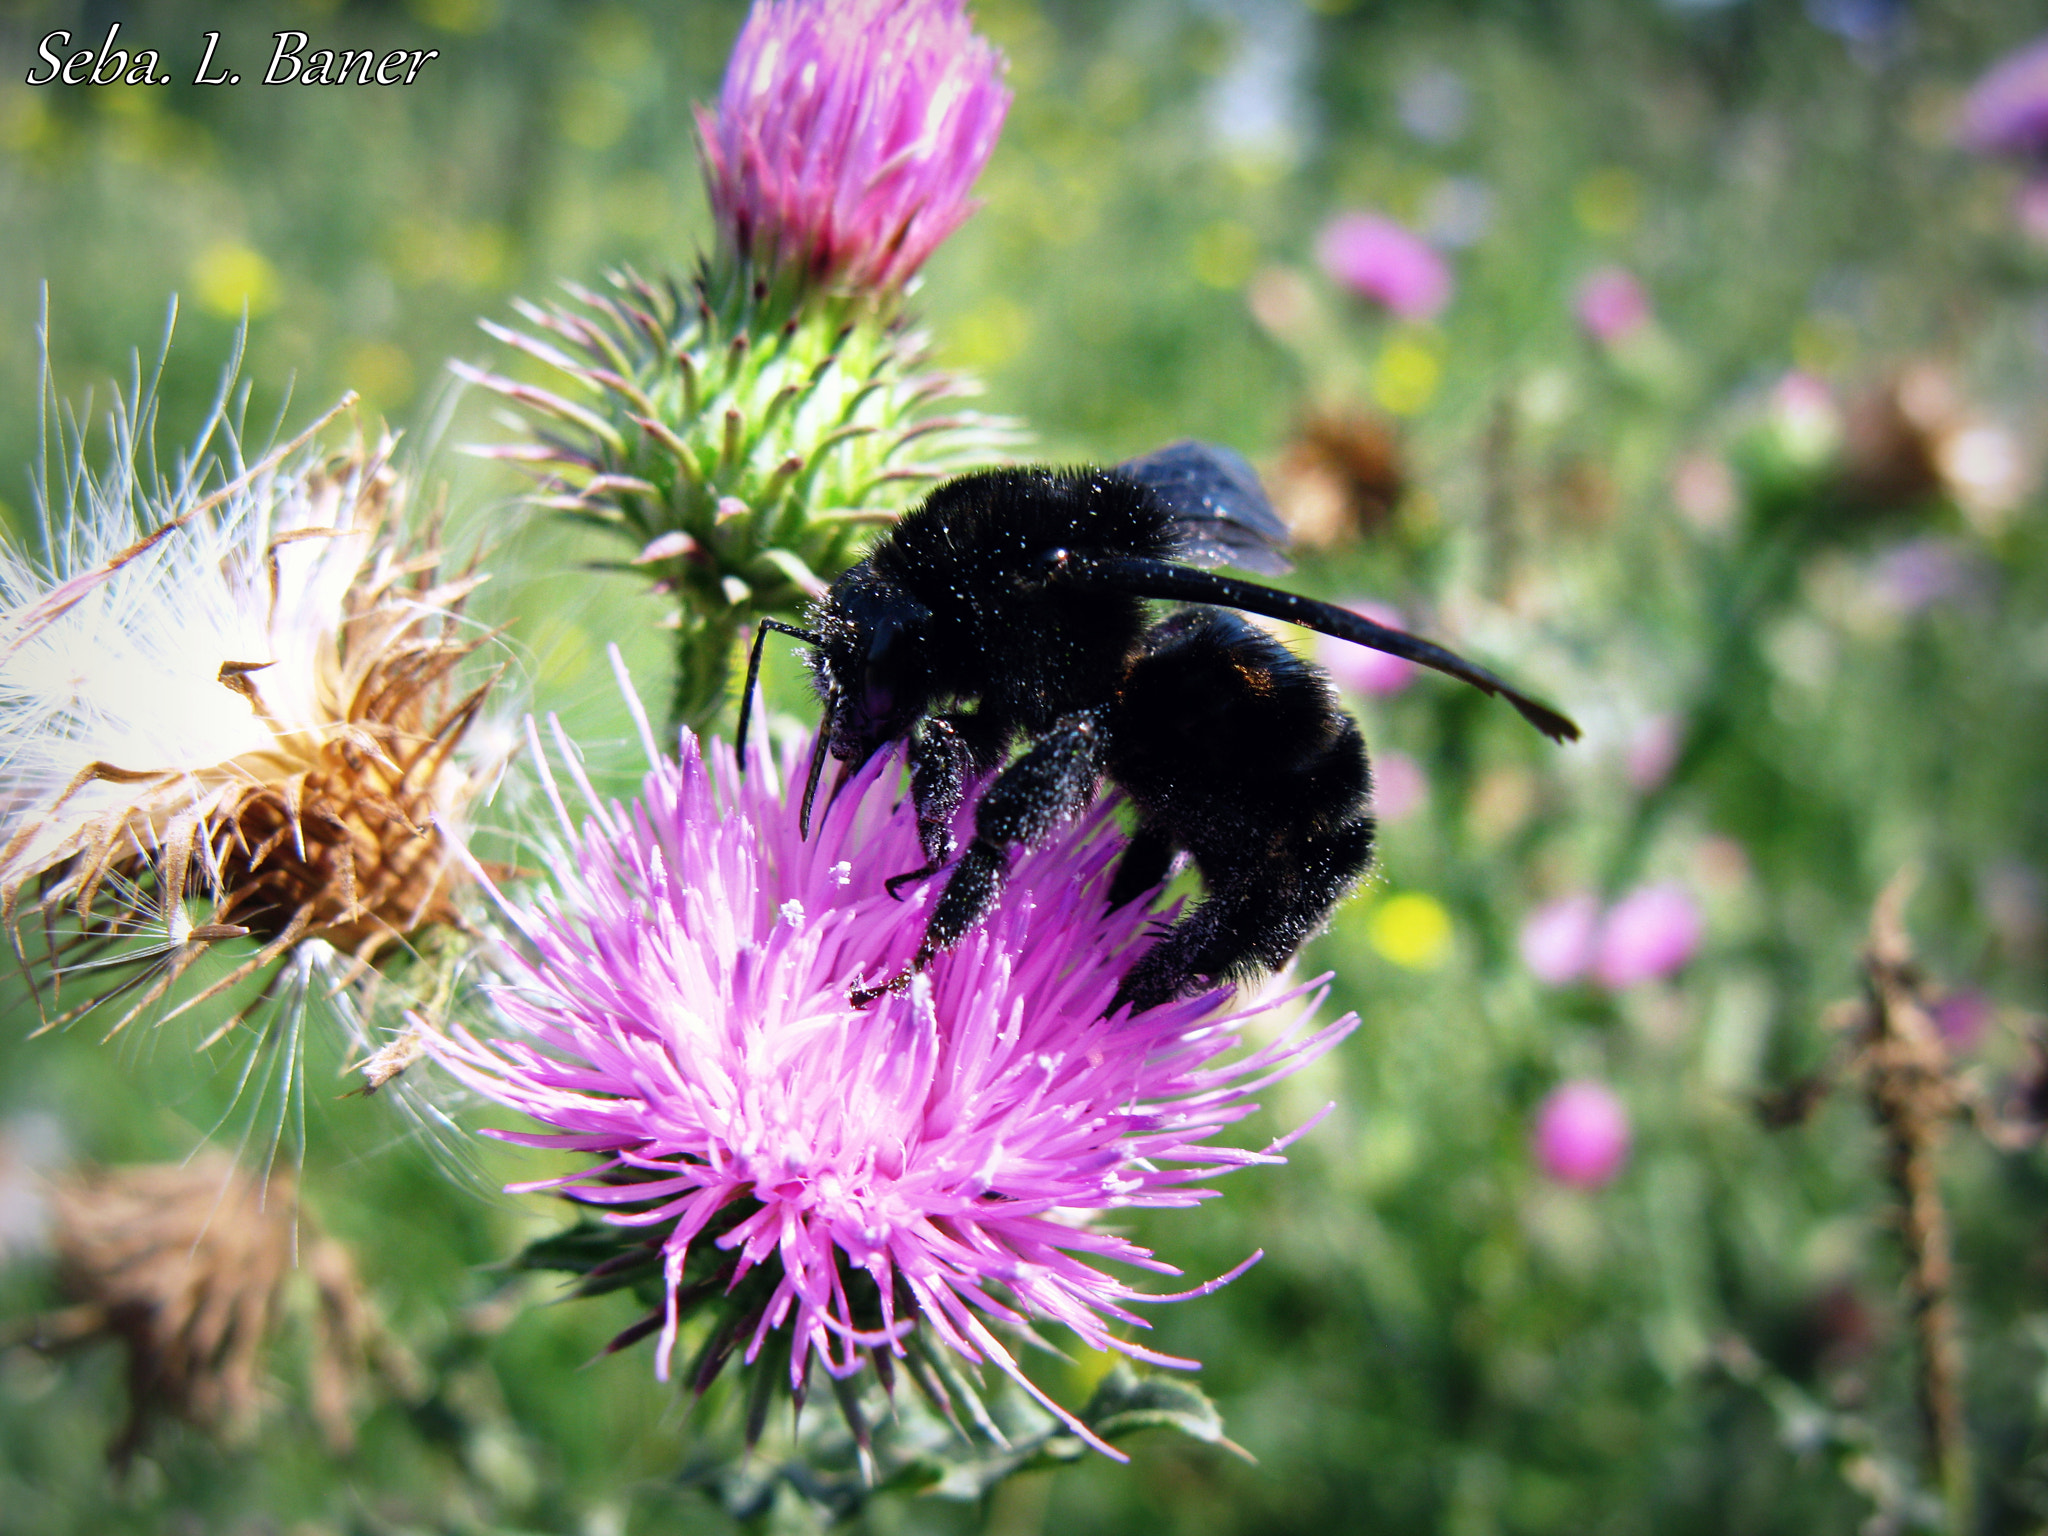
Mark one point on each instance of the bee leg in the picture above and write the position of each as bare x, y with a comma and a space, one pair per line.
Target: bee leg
1145, 863
942, 758
1260, 910
1048, 784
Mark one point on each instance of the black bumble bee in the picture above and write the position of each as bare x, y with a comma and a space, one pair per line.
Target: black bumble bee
1014, 606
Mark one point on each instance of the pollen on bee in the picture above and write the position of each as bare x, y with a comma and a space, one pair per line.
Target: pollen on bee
1258, 680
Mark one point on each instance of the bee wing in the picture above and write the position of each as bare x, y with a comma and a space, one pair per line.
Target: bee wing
1178, 583
1218, 504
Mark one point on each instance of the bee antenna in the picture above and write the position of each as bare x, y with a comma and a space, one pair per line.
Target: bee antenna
754, 677
803, 816
1142, 577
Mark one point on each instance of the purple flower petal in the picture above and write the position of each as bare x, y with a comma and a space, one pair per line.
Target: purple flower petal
1399, 787
1653, 750
1964, 1017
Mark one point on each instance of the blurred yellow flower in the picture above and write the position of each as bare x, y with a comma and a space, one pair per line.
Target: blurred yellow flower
1608, 202
1405, 378
1223, 254
228, 275
1412, 930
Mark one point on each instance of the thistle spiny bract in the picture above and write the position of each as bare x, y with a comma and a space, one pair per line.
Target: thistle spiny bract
742, 447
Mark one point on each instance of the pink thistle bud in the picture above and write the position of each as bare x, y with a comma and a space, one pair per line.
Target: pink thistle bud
1558, 938
1612, 306
848, 134
1386, 262
1360, 669
1582, 1134
1649, 933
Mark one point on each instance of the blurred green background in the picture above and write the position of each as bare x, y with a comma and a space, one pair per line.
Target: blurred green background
1802, 621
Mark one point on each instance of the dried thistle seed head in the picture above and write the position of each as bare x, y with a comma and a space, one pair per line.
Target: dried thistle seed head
188, 1265
231, 709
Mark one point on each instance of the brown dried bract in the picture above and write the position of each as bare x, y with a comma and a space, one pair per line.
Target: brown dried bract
189, 1266
1907, 1076
1340, 478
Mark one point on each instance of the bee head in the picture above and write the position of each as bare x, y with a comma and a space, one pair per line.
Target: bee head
871, 667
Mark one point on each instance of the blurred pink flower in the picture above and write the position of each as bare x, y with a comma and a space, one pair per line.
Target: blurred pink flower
1558, 938
1964, 1018
1386, 262
1653, 751
1704, 490
1399, 787
1649, 933
677, 1010
1360, 669
1582, 1134
2006, 112
1804, 405
848, 134
1612, 306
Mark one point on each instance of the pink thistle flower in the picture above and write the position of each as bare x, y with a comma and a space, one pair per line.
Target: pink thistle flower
1582, 1134
1386, 262
848, 134
1558, 938
1359, 669
1612, 306
928, 1165
1651, 932
2006, 112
